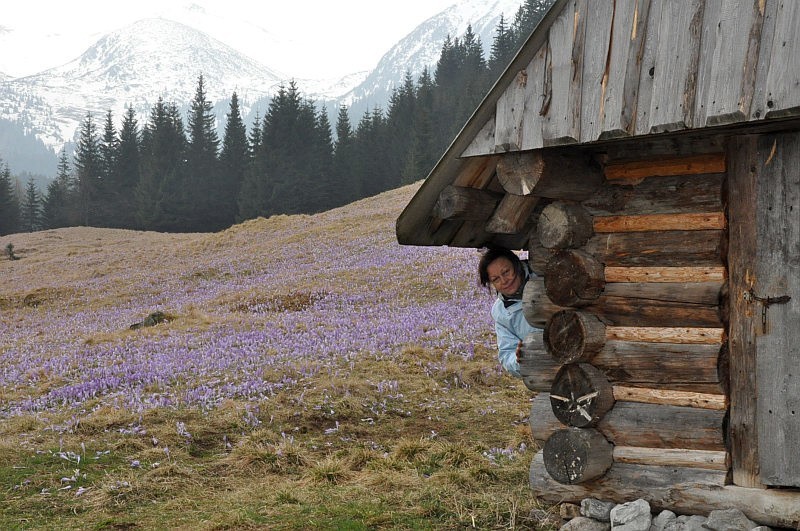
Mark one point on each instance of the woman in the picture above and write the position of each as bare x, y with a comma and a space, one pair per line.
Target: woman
507, 274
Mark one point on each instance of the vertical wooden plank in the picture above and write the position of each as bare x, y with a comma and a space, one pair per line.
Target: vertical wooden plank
483, 143
758, 107
565, 41
595, 65
778, 274
621, 83
648, 67
742, 159
783, 77
509, 115
737, 27
705, 64
534, 101
674, 82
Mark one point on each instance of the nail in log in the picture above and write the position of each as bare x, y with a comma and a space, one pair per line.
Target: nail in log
581, 395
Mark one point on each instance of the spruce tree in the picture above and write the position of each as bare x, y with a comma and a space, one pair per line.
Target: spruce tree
342, 172
234, 160
88, 172
206, 211
160, 196
321, 165
252, 198
108, 186
503, 48
128, 171
9, 205
31, 211
58, 205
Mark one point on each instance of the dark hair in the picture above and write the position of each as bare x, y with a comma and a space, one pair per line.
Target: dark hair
493, 254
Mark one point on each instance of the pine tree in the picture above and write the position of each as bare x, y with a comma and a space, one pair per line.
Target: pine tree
342, 172
9, 205
424, 149
127, 171
160, 194
252, 200
234, 160
88, 171
503, 49
31, 212
58, 205
108, 187
206, 211
400, 123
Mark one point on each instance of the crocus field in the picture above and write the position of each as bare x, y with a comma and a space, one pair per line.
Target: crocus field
310, 373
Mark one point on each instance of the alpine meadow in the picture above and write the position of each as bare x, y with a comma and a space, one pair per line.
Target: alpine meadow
302, 372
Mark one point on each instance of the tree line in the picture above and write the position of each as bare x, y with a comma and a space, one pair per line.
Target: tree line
172, 176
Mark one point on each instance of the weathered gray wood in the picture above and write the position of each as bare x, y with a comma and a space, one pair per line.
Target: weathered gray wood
573, 278
564, 225
741, 329
648, 68
758, 107
778, 274
512, 214
643, 424
580, 395
680, 489
508, 118
674, 83
658, 363
660, 426
551, 173
737, 26
534, 101
562, 85
659, 195
783, 79
667, 248
536, 305
537, 367
571, 336
595, 68
577, 455
483, 143
621, 82
462, 203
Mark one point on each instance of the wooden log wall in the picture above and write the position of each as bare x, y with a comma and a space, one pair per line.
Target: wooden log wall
632, 306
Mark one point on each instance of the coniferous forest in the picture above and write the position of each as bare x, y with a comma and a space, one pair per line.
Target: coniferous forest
174, 174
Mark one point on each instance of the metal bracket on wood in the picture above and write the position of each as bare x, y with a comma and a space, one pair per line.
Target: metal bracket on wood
766, 302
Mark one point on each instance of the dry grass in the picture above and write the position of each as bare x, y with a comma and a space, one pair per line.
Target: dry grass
407, 441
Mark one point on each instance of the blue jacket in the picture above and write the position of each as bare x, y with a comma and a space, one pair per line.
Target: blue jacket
511, 327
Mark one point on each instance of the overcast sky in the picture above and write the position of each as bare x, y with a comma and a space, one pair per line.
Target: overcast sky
35, 35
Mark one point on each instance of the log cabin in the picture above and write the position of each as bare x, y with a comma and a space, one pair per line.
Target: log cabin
646, 155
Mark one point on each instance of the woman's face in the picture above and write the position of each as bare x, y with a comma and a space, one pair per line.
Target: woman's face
503, 276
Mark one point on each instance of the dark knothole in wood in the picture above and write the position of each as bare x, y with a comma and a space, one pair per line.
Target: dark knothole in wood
574, 278
572, 336
581, 395
576, 455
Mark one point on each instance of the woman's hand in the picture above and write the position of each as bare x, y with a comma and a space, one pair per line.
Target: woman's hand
519, 352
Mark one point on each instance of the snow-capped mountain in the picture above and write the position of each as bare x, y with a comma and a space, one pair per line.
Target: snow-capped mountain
423, 45
156, 57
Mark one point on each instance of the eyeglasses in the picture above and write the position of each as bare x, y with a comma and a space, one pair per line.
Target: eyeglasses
505, 274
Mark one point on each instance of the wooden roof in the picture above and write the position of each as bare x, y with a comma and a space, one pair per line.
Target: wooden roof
595, 73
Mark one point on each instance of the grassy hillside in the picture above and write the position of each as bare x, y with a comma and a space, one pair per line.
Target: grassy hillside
310, 372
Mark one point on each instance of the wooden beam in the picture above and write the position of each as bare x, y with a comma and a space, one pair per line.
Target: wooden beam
684, 165
742, 326
660, 222
682, 490
465, 204
707, 459
713, 336
555, 174
512, 214
665, 274
670, 397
